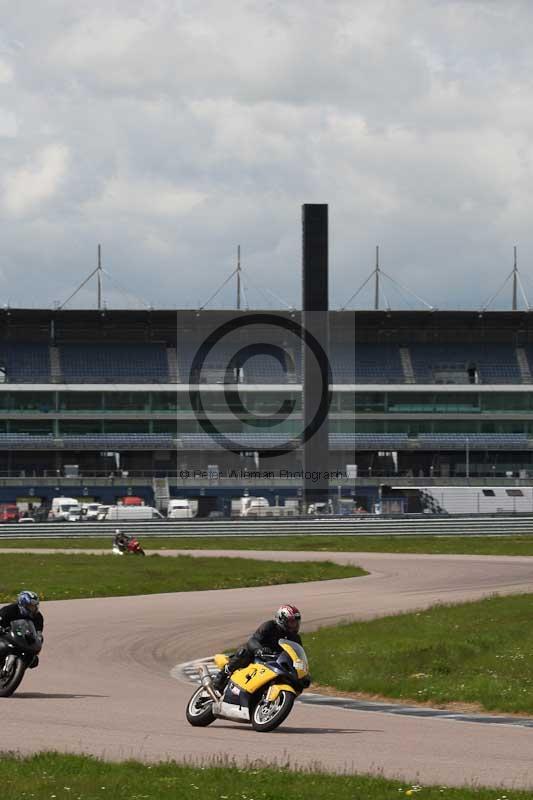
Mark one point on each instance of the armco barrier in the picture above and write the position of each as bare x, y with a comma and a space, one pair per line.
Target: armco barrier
321, 526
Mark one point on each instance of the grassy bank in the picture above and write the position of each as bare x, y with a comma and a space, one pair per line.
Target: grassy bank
50, 775
476, 653
486, 545
61, 577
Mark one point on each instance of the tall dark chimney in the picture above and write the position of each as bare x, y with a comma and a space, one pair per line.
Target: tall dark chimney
315, 349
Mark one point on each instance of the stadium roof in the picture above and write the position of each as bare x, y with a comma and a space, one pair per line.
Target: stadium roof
18, 324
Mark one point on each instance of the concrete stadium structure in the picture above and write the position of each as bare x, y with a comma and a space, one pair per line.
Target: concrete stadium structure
162, 404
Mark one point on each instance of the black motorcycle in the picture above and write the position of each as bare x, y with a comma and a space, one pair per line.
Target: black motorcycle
19, 647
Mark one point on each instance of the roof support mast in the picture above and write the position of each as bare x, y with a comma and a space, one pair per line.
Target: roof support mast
376, 295
238, 277
517, 285
99, 274
515, 282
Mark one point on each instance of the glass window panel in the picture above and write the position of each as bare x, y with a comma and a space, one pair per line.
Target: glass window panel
80, 401
37, 427
126, 426
506, 401
169, 401
127, 401
165, 426
369, 401
72, 427
32, 401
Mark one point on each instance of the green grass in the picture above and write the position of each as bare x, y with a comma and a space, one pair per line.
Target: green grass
476, 545
472, 653
50, 775
61, 577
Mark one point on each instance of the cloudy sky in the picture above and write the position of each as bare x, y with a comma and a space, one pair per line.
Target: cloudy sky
173, 130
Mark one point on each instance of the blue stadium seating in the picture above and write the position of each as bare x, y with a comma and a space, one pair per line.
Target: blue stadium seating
114, 363
257, 369
495, 363
362, 363
476, 441
338, 441
110, 441
25, 363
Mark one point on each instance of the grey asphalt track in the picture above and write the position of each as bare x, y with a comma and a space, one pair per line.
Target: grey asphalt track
104, 686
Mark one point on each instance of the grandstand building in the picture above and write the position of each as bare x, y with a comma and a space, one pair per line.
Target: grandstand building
107, 403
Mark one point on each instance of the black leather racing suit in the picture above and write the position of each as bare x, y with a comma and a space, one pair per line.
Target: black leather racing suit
10, 613
266, 637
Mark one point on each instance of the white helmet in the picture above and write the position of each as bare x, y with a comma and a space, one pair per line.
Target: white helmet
288, 618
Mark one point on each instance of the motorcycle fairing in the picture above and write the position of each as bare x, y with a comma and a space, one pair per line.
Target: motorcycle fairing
231, 711
234, 703
274, 691
297, 655
252, 677
221, 660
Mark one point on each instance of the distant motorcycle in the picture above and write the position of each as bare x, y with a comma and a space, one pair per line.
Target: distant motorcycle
19, 645
131, 547
262, 693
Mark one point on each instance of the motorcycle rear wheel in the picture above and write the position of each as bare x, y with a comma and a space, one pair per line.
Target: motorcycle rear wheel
267, 716
199, 713
10, 683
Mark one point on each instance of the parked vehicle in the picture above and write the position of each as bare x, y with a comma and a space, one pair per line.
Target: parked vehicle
251, 506
180, 509
90, 511
63, 508
132, 513
75, 515
320, 508
263, 693
23, 520
9, 512
130, 500
102, 511
18, 647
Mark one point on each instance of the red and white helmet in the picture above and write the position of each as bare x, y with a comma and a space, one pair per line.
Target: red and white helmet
288, 618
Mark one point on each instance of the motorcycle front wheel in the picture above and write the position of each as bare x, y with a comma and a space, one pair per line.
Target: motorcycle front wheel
10, 681
199, 711
267, 715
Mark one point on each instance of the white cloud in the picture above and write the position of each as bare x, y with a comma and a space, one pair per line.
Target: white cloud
186, 129
8, 124
28, 186
144, 197
6, 71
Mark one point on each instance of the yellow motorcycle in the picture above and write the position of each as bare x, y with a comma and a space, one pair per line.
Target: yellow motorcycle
262, 693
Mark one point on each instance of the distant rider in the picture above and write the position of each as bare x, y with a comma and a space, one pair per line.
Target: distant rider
121, 540
264, 642
26, 607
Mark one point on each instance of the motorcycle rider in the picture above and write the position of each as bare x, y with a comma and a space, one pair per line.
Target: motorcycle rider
263, 643
121, 540
26, 607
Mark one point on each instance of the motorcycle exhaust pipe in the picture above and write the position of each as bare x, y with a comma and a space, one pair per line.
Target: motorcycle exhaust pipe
207, 682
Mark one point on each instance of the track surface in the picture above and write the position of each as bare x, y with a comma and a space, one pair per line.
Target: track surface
104, 685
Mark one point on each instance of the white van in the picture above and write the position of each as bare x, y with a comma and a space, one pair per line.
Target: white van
90, 510
65, 509
101, 512
180, 509
251, 506
132, 513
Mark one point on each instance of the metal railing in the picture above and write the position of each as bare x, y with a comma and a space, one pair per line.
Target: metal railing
405, 525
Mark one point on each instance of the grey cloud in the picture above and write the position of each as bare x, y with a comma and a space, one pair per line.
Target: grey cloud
190, 129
